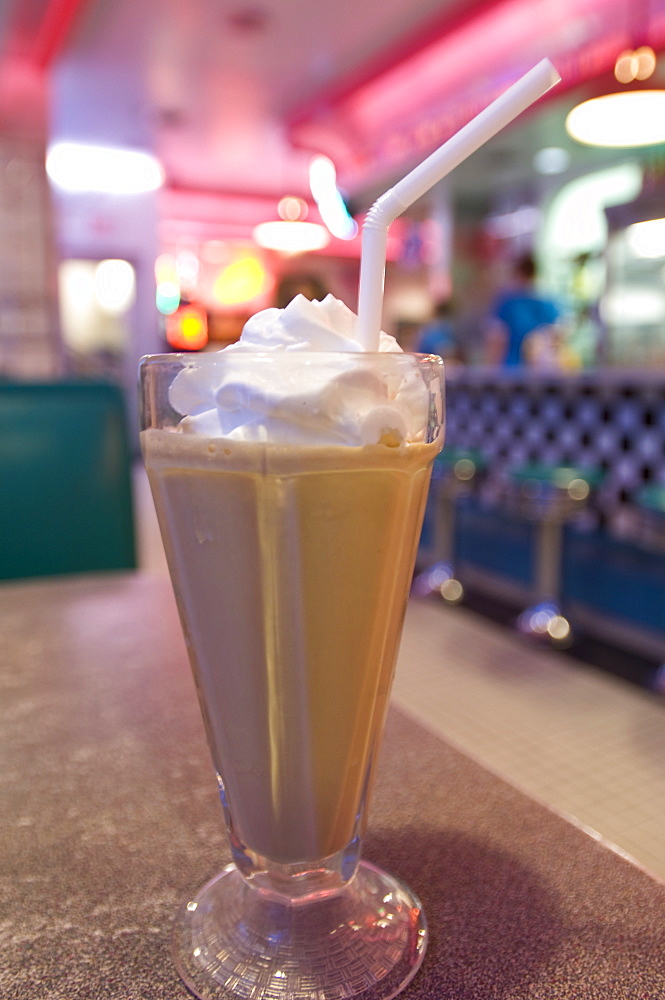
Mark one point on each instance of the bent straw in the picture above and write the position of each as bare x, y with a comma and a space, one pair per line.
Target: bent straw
385, 209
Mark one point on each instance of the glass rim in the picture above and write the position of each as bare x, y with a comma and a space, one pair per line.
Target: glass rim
209, 356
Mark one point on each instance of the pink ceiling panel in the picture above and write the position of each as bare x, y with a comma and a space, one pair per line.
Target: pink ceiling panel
409, 108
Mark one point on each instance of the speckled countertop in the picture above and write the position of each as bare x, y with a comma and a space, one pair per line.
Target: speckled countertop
109, 816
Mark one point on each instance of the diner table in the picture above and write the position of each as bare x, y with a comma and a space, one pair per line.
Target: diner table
109, 817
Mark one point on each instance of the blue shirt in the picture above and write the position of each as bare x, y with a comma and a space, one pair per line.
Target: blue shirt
522, 312
437, 338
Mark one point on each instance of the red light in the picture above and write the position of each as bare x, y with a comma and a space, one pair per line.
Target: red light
187, 328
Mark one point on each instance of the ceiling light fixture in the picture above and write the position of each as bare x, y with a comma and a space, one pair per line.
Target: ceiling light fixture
632, 117
77, 167
291, 237
620, 121
291, 234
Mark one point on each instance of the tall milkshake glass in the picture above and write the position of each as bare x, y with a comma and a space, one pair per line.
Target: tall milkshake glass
291, 561
290, 486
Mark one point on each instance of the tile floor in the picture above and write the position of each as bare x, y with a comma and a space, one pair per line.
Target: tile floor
581, 741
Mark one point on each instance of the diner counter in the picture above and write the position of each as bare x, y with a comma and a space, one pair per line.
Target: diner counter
109, 816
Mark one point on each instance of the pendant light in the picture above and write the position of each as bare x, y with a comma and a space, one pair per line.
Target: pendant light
627, 118
290, 233
621, 120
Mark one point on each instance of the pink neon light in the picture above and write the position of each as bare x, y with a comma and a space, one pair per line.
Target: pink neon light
402, 112
223, 222
57, 21
468, 57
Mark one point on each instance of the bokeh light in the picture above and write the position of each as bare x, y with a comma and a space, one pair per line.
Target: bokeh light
115, 286
647, 239
551, 160
242, 281
187, 328
618, 121
167, 297
291, 209
291, 237
464, 469
78, 167
329, 201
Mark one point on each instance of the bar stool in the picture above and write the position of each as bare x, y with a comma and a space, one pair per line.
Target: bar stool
455, 475
651, 506
551, 497
651, 535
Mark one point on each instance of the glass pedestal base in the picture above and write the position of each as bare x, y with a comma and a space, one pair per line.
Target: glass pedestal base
234, 942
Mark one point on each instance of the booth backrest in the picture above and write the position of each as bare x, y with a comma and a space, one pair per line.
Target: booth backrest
65, 480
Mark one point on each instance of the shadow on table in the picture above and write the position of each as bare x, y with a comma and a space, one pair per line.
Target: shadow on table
494, 925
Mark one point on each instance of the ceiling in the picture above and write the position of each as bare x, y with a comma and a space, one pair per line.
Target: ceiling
234, 95
209, 82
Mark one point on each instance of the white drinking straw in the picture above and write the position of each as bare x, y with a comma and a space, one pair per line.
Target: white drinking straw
385, 209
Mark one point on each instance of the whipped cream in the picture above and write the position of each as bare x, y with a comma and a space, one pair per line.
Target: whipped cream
280, 398
306, 325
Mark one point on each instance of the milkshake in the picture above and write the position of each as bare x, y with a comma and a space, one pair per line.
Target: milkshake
290, 512
291, 569
290, 473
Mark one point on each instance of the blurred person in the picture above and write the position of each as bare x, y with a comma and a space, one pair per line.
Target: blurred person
439, 336
584, 337
523, 325
544, 349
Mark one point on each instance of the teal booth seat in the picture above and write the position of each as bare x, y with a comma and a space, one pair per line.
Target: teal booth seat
65, 480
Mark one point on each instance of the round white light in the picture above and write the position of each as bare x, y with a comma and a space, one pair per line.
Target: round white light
75, 167
551, 160
634, 118
187, 267
292, 209
115, 286
647, 239
291, 237
633, 305
558, 627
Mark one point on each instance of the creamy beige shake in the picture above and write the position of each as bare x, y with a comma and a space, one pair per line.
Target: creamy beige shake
292, 568
290, 497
